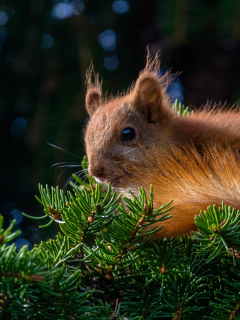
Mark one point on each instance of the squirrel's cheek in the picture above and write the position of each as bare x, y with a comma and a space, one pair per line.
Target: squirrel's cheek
121, 149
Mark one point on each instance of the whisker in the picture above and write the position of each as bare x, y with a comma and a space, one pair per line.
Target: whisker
63, 150
61, 174
71, 178
81, 171
141, 146
80, 174
65, 165
67, 182
71, 166
48, 150
131, 150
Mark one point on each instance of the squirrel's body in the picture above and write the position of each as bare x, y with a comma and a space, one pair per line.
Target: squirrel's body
140, 129
193, 181
221, 126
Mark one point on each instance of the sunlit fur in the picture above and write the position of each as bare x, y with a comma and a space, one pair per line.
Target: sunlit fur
103, 133
159, 131
194, 181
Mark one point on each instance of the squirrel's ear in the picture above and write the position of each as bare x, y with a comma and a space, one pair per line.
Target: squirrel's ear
94, 90
92, 100
147, 96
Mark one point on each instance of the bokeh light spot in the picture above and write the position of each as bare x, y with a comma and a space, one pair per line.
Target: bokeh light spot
18, 125
3, 18
47, 41
120, 6
111, 63
17, 215
62, 10
107, 39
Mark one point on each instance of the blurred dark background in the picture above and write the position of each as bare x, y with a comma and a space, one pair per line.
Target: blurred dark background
45, 49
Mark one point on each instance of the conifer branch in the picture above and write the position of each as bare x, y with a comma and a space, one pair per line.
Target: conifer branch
124, 273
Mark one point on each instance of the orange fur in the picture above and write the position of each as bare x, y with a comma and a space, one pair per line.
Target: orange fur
194, 182
194, 176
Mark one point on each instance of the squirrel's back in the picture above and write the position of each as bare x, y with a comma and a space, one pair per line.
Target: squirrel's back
194, 181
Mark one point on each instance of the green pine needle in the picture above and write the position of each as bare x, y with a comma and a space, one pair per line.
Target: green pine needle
105, 263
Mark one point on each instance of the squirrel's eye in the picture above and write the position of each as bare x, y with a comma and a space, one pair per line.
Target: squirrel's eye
128, 134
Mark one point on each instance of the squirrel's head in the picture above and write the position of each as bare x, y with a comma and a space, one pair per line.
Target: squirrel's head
119, 127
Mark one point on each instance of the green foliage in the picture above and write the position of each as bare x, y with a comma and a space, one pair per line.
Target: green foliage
180, 109
217, 225
106, 264
7, 235
84, 164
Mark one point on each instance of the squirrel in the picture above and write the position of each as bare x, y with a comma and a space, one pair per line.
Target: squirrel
136, 139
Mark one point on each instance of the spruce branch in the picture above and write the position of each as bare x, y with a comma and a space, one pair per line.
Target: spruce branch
58, 251
122, 273
125, 233
78, 180
160, 257
227, 302
219, 231
7, 235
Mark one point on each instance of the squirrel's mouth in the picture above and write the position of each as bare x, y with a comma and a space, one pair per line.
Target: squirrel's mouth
115, 182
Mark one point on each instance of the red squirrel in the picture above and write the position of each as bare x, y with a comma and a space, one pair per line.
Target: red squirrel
136, 139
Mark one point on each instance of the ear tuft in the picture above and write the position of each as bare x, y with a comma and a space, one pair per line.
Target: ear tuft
94, 90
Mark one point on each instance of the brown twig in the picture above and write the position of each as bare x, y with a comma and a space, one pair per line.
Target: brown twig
113, 317
178, 314
84, 233
20, 276
233, 313
55, 214
3, 304
139, 225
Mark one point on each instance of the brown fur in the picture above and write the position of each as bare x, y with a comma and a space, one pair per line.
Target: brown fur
194, 182
159, 134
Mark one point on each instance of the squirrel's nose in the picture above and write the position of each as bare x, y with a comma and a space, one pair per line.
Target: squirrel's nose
96, 170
